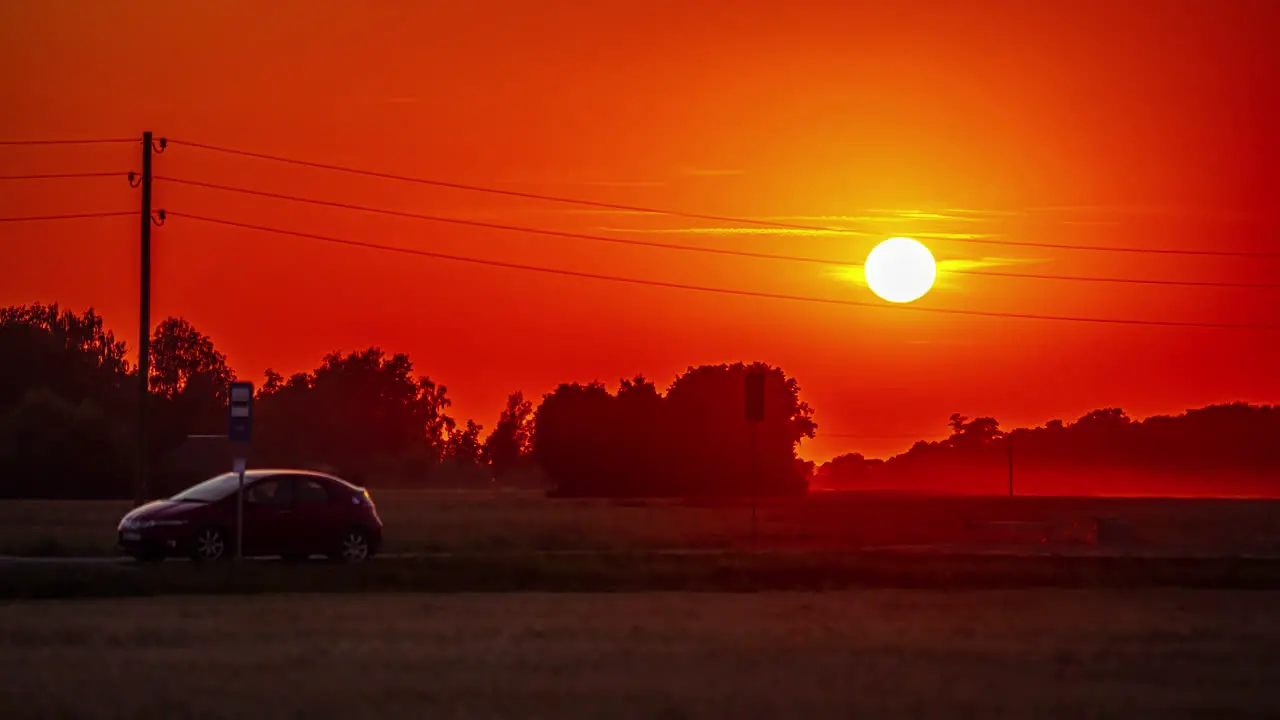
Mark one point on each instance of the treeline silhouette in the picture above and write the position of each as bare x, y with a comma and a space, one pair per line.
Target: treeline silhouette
68, 422
68, 408
1218, 449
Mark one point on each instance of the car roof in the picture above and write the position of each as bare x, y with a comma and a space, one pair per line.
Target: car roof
259, 473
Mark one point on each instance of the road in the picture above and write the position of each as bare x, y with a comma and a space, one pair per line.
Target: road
902, 550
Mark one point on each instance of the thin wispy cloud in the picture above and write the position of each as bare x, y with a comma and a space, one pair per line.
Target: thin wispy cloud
951, 272
981, 213
710, 172
564, 182
879, 215
729, 231
1136, 209
952, 236
961, 264
623, 183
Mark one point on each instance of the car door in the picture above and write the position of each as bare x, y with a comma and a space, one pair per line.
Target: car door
317, 515
268, 511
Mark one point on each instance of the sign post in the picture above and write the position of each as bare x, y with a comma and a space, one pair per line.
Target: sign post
1008, 441
754, 386
239, 432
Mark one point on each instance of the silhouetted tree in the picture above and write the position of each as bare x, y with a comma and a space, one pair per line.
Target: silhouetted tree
693, 441
189, 380
66, 405
573, 430
712, 451
360, 413
72, 355
641, 441
511, 440
463, 445
51, 447
851, 471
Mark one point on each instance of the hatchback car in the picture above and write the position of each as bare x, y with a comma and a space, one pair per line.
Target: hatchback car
290, 513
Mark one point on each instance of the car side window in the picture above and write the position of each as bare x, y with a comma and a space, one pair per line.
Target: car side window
271, 492
312, 492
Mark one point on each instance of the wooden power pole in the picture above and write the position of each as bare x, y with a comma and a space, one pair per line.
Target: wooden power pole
144, 328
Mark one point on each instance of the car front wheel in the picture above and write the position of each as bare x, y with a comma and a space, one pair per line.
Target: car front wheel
210, 545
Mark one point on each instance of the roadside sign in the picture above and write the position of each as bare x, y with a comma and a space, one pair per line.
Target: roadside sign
240, 431
240, 412
755, 396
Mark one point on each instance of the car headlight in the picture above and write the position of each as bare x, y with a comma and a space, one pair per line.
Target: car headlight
144, 524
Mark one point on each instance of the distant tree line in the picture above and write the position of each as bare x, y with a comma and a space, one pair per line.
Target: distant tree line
1218, 448
68, 409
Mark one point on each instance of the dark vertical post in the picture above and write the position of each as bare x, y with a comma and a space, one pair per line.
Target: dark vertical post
754, 390
144, 327
1008, 442
755, 482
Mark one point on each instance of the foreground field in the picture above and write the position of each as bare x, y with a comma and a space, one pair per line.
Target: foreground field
424, 521
1066, 654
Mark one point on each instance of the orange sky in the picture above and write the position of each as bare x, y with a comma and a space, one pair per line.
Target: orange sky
1142, 124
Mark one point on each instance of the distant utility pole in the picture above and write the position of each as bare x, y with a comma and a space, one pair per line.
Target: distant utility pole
754, 388
1008, 443
144, 327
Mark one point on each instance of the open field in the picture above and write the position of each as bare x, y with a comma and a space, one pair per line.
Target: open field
477, 521
882, 653
713, 571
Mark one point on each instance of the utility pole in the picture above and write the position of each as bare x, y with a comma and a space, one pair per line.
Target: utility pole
144, 327
755, 484
754, 390
1008, 443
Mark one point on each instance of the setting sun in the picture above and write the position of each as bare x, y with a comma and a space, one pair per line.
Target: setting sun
900, 270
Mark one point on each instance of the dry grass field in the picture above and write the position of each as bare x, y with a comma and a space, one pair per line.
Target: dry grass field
477, 521
877, 653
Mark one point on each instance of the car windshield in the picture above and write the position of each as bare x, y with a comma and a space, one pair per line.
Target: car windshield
211, 490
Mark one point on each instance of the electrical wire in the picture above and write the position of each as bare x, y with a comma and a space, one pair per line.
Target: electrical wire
669, 246
59, 176
690, 215
708, 289
90, 141
73, 216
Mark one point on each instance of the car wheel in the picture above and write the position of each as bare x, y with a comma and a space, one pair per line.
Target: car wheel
353, 547
210, 545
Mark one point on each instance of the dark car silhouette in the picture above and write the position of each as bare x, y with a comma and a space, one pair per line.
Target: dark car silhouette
290, 513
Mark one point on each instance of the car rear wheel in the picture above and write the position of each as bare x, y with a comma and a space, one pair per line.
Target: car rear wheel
210, 545
353, 548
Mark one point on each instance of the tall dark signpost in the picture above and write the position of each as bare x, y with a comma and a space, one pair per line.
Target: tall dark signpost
240, 432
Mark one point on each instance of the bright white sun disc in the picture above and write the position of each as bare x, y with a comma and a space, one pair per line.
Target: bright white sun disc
900, 270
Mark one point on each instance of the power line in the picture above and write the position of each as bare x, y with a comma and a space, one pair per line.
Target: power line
1134, 281
861, 436
91, 141
59, 176
669, 246
73, 216
511, 228
690, 215
492, 191
708, 289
